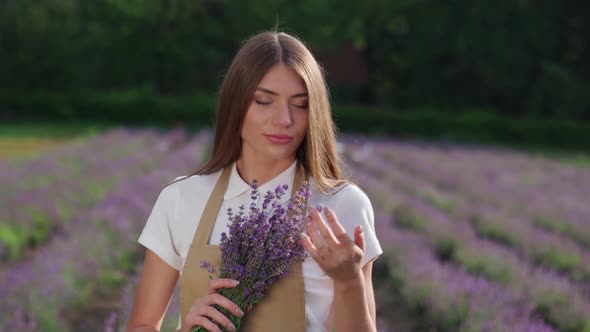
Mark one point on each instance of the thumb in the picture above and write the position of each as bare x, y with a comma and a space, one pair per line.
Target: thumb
359, 237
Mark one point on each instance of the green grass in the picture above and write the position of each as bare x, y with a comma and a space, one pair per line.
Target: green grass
57, 130
407, 219
578, 158
17, 238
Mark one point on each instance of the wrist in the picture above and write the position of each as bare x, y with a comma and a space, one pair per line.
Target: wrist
356, 282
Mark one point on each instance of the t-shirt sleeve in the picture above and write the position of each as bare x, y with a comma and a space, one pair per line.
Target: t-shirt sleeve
157, 234
354, 208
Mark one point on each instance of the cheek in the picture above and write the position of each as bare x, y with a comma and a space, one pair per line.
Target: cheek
249, 124
303, 121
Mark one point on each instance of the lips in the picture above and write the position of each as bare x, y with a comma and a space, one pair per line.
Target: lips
278, 138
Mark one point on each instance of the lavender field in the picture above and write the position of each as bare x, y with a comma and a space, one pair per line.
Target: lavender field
475, 239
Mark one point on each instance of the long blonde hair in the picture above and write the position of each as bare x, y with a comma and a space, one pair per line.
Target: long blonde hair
317, 153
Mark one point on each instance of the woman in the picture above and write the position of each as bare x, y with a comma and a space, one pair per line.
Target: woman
273, 125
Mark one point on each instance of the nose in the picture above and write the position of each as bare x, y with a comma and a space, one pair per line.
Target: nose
282, 115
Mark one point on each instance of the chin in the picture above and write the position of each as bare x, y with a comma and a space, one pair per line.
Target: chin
281, 155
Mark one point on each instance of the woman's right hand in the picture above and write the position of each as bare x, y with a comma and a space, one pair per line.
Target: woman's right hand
202, 311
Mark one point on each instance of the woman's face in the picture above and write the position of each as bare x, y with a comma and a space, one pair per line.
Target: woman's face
277, 119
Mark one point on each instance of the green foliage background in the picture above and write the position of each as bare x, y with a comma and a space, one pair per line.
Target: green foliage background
158, 59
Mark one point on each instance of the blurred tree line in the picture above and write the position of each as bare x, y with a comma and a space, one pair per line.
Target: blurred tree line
514, 57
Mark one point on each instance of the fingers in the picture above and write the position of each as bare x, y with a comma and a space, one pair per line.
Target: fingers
336, 226
216, 298
324, 230
317, 243
309, 246
201, 314
210, 311
215, 284
323, 240
359, 237
333, 235
226, 303
204, 322
203, 311
330, 246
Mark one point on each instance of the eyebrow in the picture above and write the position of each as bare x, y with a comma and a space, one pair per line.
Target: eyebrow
303, 94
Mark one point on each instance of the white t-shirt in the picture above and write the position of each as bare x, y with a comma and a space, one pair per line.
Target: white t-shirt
173, 221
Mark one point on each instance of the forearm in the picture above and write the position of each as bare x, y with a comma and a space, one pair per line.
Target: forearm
351, 309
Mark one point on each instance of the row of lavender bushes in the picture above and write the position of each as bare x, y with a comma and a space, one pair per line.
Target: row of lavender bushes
492, 221
435, 213
449, 274
79, 273
546, 192
447, 297
42, 195
456, 243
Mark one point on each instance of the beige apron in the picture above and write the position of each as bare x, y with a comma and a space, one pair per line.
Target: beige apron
283, 306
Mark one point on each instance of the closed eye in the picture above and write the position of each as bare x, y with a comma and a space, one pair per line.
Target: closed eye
269, 102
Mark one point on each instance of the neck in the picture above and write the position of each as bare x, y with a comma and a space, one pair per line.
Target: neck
261, 170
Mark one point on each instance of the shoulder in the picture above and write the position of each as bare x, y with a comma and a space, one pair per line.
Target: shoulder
191, 185
350, 193
346, 200
345, 194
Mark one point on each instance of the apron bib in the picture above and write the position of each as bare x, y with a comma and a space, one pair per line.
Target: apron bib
282, 307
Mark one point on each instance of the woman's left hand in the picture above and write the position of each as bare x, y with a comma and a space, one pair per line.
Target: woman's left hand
331, 248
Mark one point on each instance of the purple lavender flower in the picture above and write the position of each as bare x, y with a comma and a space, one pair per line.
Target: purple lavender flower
204, 264
208, 266
260, 245
319, 207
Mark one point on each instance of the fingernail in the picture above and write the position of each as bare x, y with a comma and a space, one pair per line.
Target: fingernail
239, 312
231, 327
311, 209
361, 229
235, 282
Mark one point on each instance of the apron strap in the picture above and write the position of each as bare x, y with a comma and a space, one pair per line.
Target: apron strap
212, 209
283, 309
213, 205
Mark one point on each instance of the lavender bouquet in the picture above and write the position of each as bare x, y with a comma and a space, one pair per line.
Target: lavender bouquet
261, 245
